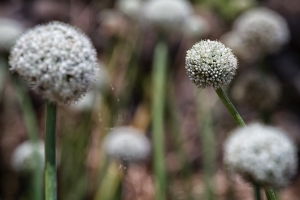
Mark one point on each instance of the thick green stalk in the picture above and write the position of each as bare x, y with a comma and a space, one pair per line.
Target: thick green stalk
256, 191
270, 194
50, 171
158, 101
238, 119
230, 107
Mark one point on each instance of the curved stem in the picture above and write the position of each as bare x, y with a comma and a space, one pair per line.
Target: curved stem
230, 107
270, 194
238, 119
50, 171
158, 100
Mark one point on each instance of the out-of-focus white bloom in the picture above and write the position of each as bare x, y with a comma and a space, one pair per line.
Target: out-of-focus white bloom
196, 26
234, 41
262, 29
10, 30
127, 144
102, 77
57, 60
210, 63
130, 8
167, 14
262, 154
256, 90
28, 156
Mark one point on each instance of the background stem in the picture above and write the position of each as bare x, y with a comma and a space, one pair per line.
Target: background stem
158, 98
50, 171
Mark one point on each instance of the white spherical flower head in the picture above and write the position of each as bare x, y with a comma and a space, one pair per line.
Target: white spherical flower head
127, 144
167, 14
10, 30
196, 26
262, 28
57, 60
210, 63
263, 154
130, 8
28, 156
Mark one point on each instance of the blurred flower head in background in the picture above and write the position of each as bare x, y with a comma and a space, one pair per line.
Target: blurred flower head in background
130, 8
28, 157
167, 15
57, 60
10, 30
210, 63
196, 26
263, 154
259, 31
127, 144
259, 91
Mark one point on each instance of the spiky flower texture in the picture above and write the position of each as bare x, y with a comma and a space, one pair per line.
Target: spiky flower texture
57, 60
127, 144
210, 63
262, 154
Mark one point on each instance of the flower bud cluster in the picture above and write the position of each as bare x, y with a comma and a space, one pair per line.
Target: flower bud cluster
57, 60
127, 144
210, 63
262, 154
167, 14
28, 156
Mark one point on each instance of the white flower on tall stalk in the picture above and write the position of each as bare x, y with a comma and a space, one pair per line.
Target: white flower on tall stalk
127, 144
10, 30
130, 8
167, 15
28, 157
210, 63
262, 30
57, 60
196, 26
262, 154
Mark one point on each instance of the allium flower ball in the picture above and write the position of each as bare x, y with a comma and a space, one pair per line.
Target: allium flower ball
131, 8
10, 30
167, 14
263, 154
210, 63
28, 156
127, 144
262, 29
256, 90
196, 26
57, 60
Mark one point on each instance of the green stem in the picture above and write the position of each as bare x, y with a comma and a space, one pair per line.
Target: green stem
270, 194
238, 119
158, 95
256, 191
50, 171
230, 107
